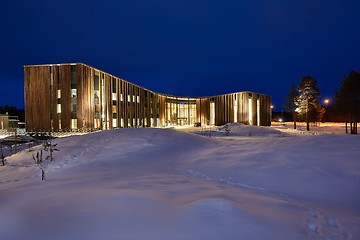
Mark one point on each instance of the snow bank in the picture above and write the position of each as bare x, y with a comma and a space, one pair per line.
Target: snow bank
167, 184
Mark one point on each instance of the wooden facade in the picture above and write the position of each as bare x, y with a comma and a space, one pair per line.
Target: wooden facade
64, 97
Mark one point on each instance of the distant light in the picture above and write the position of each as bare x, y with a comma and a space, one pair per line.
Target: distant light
272, 106
280, 120
326, 101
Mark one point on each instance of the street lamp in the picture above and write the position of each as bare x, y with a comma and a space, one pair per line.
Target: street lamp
326, 102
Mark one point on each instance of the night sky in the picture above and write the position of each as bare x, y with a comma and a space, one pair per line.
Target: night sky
185, 48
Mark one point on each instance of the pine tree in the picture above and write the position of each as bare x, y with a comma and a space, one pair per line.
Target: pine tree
347, 100
307, 102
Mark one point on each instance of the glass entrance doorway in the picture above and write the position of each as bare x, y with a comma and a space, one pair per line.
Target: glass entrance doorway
180, 111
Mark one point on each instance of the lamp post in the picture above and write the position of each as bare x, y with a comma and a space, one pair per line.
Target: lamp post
326, 104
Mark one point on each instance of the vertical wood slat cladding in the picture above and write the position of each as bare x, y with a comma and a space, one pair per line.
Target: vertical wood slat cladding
141, 106
134, 105
55, 71
265, 110
162, 110
254, 109
37, 97
125, 104
80, 100
89, 83
120, 103
205, 109
243, 108
65, 87
198, 110
108, 100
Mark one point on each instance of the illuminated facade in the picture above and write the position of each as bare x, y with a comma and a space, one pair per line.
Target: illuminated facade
61, 97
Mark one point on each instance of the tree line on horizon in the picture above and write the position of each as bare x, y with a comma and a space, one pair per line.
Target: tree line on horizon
13, 111
304, 105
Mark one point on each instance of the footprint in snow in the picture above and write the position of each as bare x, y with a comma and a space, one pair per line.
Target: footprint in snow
312, 226
332, 222
326, 227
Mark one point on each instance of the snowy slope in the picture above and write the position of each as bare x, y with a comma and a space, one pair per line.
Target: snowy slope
167, 184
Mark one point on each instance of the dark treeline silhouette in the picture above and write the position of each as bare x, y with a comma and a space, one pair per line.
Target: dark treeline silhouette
13, 111
347, 101
302, 103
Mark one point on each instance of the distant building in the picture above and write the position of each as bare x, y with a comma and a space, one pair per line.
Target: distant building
4, 121
8, 122
78, 96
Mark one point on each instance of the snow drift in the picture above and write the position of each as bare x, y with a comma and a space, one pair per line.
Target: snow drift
166, 184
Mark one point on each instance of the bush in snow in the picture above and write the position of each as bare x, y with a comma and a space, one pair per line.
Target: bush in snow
227, 129
2, 157
38, 161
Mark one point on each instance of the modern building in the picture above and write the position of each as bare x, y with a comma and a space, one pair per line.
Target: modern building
76, 96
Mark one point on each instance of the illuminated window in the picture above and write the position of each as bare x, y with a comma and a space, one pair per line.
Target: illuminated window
73, 123
212, 113
235, 109
58, 108
250, 112
73, 93
258, 112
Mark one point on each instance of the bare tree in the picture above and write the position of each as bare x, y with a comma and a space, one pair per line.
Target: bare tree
38, 161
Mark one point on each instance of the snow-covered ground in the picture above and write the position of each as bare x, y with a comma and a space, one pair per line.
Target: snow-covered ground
255, 183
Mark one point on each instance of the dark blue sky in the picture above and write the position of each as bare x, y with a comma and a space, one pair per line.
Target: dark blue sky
188, 47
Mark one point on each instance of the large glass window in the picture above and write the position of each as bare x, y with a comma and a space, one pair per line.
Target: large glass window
212, 113
235, 109
180, 111
250, 112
